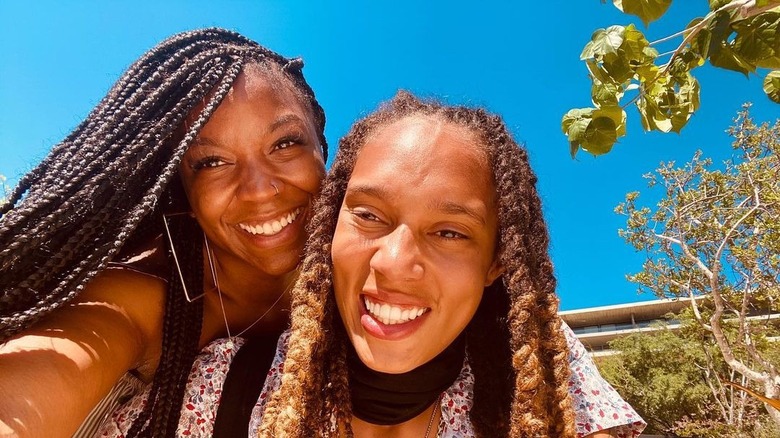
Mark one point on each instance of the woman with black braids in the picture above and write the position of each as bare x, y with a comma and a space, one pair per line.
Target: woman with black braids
170, 222
426, 303
172, 216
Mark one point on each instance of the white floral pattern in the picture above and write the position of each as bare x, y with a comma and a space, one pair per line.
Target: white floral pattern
204, 389
598, 406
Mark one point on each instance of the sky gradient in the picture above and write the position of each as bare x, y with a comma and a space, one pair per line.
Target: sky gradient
519, 59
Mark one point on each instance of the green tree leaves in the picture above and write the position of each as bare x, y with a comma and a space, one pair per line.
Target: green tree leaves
661, 375
594, 129
757, 40
672, 376
772, 86
646, 10
737, 35
612, 56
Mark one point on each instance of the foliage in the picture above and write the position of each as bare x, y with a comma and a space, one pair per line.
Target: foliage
739, 35
657, 374
672, 378
716, 234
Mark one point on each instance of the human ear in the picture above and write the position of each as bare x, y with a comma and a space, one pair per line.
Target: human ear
496, 270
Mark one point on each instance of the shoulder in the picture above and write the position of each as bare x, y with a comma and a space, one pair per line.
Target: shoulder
456, 404
130, 305
134, 287
117, 310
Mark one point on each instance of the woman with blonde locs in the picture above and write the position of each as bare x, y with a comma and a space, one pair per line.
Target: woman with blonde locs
514, 344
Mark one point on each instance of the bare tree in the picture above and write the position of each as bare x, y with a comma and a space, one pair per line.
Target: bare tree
716, 232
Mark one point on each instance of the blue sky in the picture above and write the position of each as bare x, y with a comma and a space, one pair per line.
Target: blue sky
519, 59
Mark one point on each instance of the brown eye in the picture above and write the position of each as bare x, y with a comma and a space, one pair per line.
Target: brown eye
208, 162
451, 235
365, 215
287, 142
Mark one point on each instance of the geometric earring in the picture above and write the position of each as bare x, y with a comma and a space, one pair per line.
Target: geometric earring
176, 259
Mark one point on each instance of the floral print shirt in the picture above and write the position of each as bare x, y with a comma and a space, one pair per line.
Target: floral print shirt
598, 406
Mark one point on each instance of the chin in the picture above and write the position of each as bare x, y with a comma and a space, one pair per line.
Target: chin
279, 267
397, 369
390, 363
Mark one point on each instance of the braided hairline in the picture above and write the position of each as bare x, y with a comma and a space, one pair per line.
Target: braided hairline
132, 163
537, 404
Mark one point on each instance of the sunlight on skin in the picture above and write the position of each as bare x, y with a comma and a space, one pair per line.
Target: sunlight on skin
80, 354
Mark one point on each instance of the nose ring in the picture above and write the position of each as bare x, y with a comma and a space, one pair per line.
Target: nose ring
275, 188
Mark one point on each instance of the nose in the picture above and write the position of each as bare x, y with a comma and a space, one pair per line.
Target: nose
257, 182
398, 256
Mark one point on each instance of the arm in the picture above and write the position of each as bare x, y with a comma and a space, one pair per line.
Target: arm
56, 372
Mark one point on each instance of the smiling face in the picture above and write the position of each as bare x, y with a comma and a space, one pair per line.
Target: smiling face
415, 241
251, 174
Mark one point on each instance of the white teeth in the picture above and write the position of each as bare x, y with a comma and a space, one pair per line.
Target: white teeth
384, 311
389, 315
273, 226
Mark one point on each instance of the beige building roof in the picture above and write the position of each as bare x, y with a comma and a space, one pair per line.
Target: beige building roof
623, 313
596, 326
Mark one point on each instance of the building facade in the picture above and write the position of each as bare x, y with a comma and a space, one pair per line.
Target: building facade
596, 326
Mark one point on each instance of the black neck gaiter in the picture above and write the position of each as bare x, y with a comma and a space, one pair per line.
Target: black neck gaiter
385, 399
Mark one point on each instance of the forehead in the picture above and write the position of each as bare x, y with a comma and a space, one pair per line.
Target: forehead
422, 145
257, 99
422, 164
257, 81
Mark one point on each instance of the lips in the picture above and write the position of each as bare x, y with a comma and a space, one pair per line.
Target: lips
273, 226
390, 314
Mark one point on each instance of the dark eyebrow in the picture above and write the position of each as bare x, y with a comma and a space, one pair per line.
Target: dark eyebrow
283, 120
458, 209
204, 141
373, 191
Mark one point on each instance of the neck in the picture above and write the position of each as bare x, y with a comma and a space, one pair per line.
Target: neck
246, 295
426, 424
243, 283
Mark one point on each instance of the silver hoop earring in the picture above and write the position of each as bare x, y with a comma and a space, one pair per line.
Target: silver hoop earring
275, 188
176, 258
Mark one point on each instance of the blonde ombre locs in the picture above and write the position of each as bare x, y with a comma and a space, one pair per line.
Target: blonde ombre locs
514, 342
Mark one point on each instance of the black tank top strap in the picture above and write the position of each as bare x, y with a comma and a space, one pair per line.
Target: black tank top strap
243, 385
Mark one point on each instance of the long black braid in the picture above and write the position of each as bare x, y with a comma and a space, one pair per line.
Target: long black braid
109, 182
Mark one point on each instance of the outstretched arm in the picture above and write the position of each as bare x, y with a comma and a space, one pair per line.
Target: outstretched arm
56, 372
